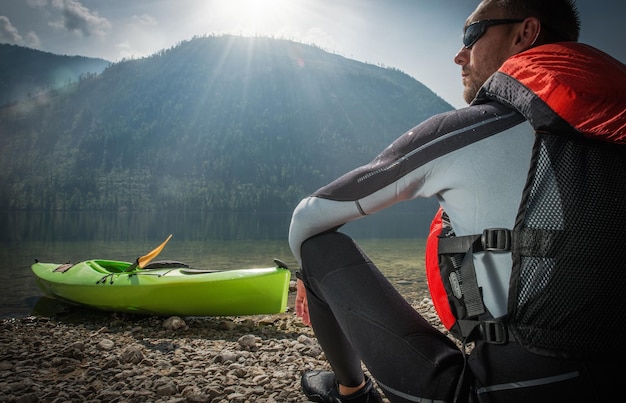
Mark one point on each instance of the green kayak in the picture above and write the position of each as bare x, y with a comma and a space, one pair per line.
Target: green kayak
166, 288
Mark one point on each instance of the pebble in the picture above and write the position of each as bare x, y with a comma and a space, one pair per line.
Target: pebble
174, 323
109, 357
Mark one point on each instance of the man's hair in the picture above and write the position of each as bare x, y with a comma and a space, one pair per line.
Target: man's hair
560, 19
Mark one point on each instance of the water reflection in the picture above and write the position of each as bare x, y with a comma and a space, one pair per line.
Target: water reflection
119, 226
22, 226
203, 240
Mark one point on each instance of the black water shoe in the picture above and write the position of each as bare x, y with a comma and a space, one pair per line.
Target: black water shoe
320, 386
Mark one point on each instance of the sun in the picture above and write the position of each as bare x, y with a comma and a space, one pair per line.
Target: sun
255, 17
261, 9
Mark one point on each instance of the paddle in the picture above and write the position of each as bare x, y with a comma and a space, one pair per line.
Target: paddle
142, 261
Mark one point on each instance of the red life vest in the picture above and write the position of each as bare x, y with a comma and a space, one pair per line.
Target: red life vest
567, 282
436, 286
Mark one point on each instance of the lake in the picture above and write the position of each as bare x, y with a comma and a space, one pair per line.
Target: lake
395, 242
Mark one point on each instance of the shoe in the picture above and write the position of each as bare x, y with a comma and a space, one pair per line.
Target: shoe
320, 386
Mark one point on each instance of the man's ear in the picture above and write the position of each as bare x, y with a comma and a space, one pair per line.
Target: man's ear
527, 34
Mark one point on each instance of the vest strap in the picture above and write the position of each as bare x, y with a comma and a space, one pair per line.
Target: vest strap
490, 331
493, 240
469, 287
456, 244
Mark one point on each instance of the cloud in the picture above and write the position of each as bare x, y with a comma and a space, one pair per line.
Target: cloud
32, 40
320, 38
10, 34
145, 19
126, 51
78, 18
37, 3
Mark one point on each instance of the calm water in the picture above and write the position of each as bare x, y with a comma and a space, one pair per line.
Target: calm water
217, 241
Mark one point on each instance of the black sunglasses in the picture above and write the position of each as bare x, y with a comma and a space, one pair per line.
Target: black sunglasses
475, 30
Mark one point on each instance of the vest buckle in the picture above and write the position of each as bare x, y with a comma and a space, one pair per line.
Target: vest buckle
494, 332
496, 239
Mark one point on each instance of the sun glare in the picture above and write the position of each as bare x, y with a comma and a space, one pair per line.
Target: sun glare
255, 17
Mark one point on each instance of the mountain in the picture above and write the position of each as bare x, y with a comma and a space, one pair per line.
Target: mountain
214, 123
25, 73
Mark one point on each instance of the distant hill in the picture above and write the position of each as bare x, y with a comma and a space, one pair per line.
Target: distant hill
27, 72
214, 123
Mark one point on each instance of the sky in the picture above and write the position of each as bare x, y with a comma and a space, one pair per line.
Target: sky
418, 37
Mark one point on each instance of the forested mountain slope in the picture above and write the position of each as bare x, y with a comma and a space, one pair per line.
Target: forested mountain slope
26, 73
213, 123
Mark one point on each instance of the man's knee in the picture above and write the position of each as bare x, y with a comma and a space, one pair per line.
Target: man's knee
326, 244
329, 251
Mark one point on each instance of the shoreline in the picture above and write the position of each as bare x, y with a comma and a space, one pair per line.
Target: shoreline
91, 356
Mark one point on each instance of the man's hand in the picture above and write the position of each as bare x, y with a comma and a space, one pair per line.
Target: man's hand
302, 307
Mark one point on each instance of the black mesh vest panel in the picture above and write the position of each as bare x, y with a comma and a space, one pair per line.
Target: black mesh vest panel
568, 284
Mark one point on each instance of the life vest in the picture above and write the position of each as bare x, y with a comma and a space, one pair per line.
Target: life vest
568, 280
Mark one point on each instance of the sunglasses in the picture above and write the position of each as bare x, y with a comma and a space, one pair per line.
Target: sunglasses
475, 30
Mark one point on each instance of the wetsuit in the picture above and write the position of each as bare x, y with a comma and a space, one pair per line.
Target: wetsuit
475, 161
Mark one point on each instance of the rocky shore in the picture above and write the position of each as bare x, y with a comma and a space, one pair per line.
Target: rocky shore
86, 356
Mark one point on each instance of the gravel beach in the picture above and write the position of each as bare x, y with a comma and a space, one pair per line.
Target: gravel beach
80, 355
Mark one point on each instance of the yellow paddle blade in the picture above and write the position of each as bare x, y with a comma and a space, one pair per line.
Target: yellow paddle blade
144, 260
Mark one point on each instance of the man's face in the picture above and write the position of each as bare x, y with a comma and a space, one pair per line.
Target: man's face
487, 54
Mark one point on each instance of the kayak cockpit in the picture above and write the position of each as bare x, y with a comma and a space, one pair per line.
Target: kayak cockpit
114, 266
107, 266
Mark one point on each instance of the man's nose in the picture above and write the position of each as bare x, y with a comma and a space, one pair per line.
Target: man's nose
462, 56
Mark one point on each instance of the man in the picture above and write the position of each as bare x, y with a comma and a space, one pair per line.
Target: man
476, 162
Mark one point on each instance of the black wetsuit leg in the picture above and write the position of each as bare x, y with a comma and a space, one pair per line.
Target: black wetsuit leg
359, 316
